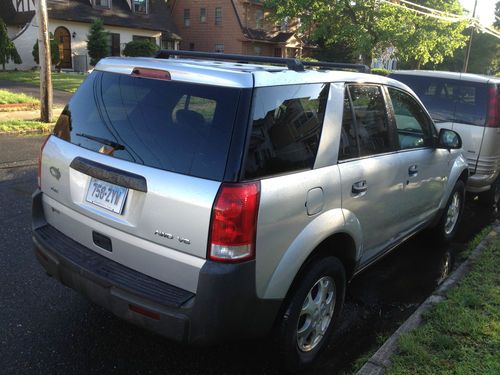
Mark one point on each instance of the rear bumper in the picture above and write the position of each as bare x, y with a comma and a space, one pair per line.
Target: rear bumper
225, 306
477, 183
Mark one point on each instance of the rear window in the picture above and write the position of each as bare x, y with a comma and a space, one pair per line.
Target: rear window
175, 126
450, 100
286, 129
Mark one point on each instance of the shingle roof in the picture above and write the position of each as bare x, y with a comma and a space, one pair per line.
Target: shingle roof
266, 36
158, 18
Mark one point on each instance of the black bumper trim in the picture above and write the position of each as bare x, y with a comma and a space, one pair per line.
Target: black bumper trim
108, 272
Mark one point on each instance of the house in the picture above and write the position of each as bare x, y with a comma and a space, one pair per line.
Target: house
69, 21
234, 26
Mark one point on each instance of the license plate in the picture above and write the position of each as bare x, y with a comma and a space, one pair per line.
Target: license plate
106, 195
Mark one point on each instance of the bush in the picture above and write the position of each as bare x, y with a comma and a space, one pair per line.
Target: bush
8, 50
140, 48
54, 51
381, 71
97, 42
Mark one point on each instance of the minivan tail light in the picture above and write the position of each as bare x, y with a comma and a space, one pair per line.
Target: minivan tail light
233, 222
493, 120
39, 177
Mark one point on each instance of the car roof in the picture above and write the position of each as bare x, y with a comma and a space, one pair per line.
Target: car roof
235, 74
449, 75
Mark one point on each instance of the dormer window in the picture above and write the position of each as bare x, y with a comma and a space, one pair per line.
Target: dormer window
106, 4
140, 6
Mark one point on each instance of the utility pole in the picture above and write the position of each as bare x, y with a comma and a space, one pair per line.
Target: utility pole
45, 63
466, 61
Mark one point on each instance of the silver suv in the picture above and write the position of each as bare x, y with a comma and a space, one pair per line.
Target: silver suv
470, 105
211, 200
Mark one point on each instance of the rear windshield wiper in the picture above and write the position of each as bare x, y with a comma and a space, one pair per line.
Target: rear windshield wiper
104, 141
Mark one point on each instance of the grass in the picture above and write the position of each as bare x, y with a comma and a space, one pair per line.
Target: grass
460, 335
60, 81
19, 126
7, 97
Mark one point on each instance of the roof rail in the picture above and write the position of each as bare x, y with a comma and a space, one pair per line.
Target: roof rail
292, 64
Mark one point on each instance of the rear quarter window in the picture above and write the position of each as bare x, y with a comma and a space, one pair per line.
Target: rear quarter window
286, 129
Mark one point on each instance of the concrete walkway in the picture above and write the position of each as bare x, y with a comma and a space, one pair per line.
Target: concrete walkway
60, 97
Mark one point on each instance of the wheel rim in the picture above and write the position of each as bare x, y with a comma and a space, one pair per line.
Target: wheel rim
316, 314
452, 213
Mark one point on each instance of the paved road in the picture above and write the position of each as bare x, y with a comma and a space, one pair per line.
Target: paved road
47, 328
60, 97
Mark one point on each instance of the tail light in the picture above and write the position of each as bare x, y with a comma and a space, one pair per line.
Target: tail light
40, 162
493, 120
233, 223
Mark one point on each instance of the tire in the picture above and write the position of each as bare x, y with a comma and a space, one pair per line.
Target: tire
299, 350
490, 197
448, 225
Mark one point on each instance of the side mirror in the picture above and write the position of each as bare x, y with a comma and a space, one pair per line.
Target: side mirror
449, 139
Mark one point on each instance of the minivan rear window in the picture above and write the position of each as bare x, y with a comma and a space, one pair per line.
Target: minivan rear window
175, 126
450, 100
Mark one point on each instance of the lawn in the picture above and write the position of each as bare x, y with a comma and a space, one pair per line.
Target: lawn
7, 97
60, 81
460, 335
16, 126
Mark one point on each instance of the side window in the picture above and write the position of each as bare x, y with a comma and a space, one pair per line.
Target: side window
348, 146
413, 126
286, 129
374, 132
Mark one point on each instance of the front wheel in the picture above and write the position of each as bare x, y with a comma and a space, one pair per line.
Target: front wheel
450, 221
310, 313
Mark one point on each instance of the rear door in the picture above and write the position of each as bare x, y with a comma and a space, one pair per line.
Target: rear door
138, 162
369, 168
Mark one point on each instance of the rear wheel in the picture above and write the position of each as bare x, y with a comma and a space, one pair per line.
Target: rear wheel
492, 196
310, 313
448, 225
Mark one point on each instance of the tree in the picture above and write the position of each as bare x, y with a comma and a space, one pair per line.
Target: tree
368, 26
142, 48
54, 50
97, 42
8, 50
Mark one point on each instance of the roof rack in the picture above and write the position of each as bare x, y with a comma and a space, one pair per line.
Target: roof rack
291, 64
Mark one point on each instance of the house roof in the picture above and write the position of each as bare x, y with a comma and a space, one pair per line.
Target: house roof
120, 14
11, 17
267, 36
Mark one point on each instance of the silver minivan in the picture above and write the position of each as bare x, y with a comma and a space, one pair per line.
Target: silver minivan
470, 105
211, 200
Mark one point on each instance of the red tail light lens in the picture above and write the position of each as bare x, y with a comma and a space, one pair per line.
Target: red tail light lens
234, 221
151, 73
493, 107
40, 162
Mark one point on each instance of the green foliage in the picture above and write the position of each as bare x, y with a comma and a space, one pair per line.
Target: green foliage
140, 48
367, 26
60, 81
381, 71
8, 50
54, 50
97, 42
7, 97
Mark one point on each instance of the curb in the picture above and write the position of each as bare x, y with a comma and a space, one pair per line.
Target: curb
380, 360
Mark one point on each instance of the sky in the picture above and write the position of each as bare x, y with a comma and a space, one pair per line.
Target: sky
485, 10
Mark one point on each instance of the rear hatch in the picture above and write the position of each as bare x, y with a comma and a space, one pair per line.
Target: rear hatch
460, 105
134, 166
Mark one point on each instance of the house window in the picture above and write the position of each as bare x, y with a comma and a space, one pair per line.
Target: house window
259, 18
187, 17
257, 50
140, 37
203, 15
277, 52
191, 46
218, 16
102, 3
140, 6
114, 44
219, 47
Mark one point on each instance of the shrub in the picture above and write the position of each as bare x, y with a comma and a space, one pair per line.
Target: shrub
54, 50
140, 48
97, 42
381, 71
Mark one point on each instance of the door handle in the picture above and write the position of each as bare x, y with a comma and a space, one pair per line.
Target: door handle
413, 170
359, 188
